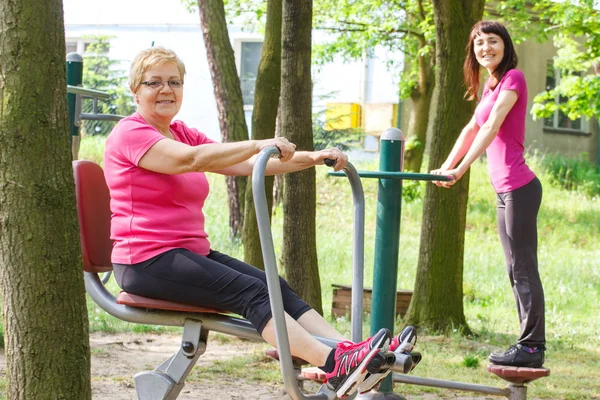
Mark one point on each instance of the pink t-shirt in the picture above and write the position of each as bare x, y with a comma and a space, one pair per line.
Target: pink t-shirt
506, 162
152, 212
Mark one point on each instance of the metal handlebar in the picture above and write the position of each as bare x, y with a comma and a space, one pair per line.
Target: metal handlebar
92, 93
272, 276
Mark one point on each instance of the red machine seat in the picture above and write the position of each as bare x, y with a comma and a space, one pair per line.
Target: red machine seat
93, 210
134, 300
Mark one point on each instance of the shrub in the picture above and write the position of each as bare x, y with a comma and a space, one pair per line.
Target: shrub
575, 174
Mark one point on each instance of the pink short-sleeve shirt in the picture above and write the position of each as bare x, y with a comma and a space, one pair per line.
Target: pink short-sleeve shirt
506, 162
152, 212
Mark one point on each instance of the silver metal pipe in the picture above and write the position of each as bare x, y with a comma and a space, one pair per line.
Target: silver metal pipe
88, 92
358, 252
100, 117
468, 387
272, 277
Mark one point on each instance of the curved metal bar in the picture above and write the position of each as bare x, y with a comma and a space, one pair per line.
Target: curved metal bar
358, 253
106, 277
408, 176
275, 298
101, 117
88, 92
213, 322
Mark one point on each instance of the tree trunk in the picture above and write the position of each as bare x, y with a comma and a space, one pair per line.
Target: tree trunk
45, 317
419, 116
228, 94
299, 192
437, 301
264, 120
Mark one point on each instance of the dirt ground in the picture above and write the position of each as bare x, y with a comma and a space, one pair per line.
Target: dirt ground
117, 357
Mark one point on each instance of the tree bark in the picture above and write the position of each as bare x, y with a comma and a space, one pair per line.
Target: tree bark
299, 192
419, 117
44, 308
228, 94
264, 120
437, 301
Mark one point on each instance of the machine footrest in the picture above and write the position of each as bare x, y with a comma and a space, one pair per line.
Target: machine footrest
313, 374
518, 374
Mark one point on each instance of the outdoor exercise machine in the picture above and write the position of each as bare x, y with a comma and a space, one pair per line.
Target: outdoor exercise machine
75, 96
385, 273
166, 381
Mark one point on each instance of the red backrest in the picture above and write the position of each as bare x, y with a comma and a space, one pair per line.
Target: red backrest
93, 210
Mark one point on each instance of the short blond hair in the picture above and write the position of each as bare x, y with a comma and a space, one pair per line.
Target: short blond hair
150, 58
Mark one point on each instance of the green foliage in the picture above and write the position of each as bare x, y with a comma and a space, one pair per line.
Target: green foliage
344, 139
471, 361
575, 29
573, 174
102, 73
412, 191
92, 148
358, 27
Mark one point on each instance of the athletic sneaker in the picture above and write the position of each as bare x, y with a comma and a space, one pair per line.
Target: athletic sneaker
353, 361
403, 343
519, 356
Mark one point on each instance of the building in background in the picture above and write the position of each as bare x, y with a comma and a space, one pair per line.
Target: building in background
346, 95
134, 25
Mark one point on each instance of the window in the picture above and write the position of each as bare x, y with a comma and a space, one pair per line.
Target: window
249, 60
558, 120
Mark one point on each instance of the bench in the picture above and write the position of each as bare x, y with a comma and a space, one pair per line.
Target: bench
342, 296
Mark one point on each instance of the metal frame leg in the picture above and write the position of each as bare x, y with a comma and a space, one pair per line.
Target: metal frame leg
517, 391
168, 379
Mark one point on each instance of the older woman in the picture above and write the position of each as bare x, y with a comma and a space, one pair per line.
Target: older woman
154, 168
498, 128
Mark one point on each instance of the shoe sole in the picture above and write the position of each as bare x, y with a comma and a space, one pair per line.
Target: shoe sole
377, 372
517, 365
373, 379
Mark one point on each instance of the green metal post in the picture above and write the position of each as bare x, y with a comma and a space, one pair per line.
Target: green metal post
74, 78
387, 236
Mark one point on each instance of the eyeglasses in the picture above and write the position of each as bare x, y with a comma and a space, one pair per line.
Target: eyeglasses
173, 84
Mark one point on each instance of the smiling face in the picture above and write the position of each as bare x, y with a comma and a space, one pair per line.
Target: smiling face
159, 106
489, 50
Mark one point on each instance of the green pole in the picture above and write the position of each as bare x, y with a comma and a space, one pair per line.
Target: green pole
74, 78
387, 236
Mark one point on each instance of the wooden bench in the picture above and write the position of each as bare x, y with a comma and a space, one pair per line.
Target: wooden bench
342, 296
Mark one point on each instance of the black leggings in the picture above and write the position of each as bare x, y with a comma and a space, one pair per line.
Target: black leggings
215, 281
517, 225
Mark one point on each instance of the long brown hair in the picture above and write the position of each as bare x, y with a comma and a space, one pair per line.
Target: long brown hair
471, 67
